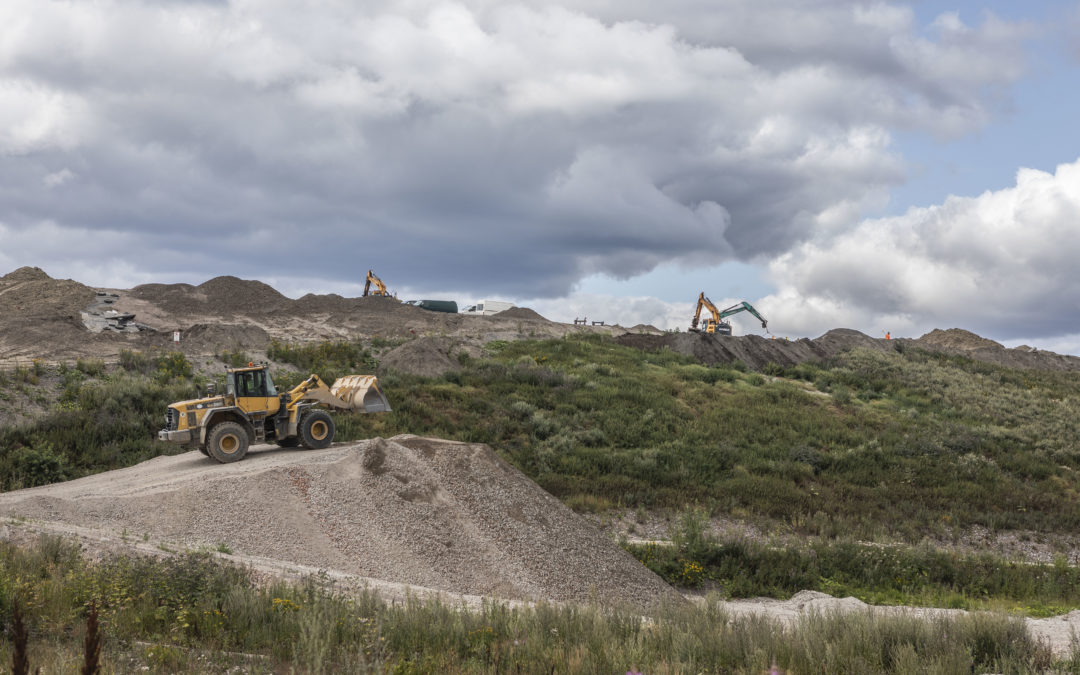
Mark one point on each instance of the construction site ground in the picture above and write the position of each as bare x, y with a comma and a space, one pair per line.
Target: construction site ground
428, 515
41, 318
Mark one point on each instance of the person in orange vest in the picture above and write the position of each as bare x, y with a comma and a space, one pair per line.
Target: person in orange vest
887, 336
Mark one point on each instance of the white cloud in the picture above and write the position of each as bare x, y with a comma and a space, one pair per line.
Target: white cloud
1002, 263
509, 148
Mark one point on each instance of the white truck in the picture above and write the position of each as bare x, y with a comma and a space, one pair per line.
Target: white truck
487, 307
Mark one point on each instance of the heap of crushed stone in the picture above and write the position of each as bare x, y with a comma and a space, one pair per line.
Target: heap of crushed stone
420, 511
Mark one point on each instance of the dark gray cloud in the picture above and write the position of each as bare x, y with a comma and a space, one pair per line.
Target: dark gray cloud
470, 145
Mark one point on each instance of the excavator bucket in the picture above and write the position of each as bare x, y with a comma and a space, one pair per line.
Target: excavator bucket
360, 393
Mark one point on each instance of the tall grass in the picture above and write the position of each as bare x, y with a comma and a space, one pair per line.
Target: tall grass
182, 614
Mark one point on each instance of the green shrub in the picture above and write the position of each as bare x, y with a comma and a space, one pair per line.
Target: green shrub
172, 366
135, 362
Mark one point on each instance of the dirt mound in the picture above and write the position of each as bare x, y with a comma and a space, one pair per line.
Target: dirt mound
214, 338
231, 294
25, 274
220, 296
753, 350
30, 293
520, 313
420, 511
428, 357
964, 343
956, 339
646, 328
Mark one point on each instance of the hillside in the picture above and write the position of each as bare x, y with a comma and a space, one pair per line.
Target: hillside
939, 471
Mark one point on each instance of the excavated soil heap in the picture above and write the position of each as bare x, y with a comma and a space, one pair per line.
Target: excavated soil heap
754, 350
218, 296
965, 343
956, 339
30, 293
420, 511
520, 313
428, 357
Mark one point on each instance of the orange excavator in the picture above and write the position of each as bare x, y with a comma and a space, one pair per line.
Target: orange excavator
716, 324
380, 287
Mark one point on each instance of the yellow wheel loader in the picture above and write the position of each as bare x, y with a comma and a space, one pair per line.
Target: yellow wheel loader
252, 411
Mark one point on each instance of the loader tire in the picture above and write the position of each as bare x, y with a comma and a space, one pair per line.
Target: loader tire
316, 430
227, 442
288, 442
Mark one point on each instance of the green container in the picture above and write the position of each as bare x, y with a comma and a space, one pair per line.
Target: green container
448, 306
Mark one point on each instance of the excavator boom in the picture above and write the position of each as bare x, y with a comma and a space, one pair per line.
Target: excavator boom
380, 287
745, 307
716, 323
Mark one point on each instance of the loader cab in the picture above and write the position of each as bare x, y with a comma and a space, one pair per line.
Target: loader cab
253, 389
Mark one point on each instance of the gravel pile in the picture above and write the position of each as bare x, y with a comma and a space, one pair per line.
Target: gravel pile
425, 512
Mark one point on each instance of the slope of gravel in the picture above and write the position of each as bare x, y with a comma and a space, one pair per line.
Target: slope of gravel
425, 512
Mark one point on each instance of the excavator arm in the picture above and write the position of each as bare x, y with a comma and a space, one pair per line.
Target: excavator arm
704, 302
380, 287
744, 307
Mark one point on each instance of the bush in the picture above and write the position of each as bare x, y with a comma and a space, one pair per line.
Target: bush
37, 465
173, 366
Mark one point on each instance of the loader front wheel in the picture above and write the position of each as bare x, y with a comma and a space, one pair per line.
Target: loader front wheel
316, 430
227, 442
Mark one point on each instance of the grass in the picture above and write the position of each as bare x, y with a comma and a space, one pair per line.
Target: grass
887, 448
883, 446
876, 574
921, 445
189, 613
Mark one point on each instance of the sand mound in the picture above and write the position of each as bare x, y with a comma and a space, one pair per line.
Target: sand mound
429, 357
520, 313
420, 511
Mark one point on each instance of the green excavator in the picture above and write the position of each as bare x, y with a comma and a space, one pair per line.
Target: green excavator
716, 324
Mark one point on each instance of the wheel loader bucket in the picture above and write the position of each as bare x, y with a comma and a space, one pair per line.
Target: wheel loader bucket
360, 393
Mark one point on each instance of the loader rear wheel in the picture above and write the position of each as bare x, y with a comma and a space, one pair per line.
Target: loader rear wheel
316, 430
227, 442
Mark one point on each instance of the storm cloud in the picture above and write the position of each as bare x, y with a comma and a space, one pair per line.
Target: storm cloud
497, 148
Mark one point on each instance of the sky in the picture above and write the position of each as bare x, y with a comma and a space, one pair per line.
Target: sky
883, 166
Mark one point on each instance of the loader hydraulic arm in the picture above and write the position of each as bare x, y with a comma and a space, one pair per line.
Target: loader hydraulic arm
359, 393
